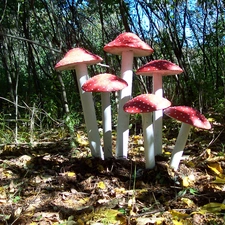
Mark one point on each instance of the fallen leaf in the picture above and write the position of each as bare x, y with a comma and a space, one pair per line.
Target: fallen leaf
216, 168
218, 180
175, 222
143, 221
2, 193
213, 207
131, 202
101, 185
178, 215
71, 174
188, 201
120, 190
188, 180
82, 140
209, 152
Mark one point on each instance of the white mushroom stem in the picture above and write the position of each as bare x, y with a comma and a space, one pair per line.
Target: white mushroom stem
89, 112
125, 95
148, 133
107, 124
157, 115
179, 146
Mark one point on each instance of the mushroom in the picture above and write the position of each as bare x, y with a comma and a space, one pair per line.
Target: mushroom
189, 117
146, 104
157, 69
105, 83
128, 45
78, 59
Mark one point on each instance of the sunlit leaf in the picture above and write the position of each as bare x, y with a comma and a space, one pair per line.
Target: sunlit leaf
215, 167
102, 201
219, 180
210, 119
143, 221
159, 221
120, 190
185, 181
84, 200
182, 222
167, 153
208, 151
175, 222
82, 140
178, 215
71, 174
193, 191
131, 202
121, 217
2, 193
80, 222
216, 158
18, 211
101, 185
188, 201
216, 187
8, 173
137, 139
213, 207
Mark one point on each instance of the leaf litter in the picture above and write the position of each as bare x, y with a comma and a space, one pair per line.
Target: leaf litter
46, 184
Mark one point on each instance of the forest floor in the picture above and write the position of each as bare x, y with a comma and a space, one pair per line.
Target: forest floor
50, 183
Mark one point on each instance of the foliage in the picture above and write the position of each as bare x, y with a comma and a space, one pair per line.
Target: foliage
36, 34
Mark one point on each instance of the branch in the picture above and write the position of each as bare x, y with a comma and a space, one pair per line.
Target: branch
12, 102
30, 41
3, 14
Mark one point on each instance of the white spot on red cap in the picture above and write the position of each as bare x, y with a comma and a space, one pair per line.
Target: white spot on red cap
161, 67
146, 103
188, 115
128, 41
104, 82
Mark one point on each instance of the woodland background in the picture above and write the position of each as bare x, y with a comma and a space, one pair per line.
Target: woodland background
35, 35
45, 181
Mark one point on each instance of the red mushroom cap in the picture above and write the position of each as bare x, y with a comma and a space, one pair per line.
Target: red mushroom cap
146, 103
128, 42
77, 56
188, 115
162, 67
104, 83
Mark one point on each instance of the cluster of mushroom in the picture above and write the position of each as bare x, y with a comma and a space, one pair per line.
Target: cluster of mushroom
150, 106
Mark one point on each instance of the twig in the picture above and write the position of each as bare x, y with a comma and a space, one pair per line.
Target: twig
214, 140
42, 111
149, 212
103, 65
12, 102
3, 14
30, 41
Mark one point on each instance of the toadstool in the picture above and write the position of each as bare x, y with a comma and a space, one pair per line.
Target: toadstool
189, 117
157, 69
105, 83
146, 104
128, 45
78, 59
